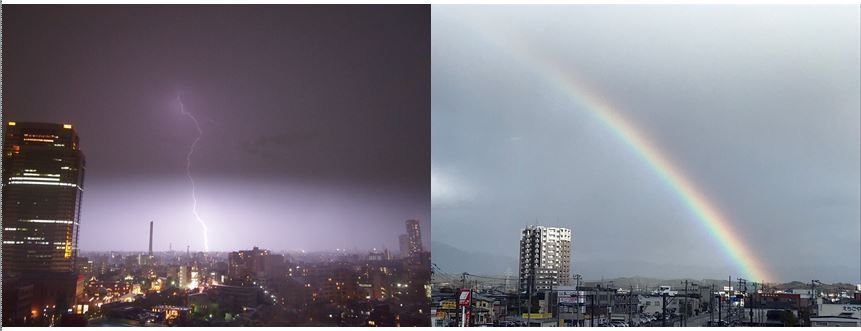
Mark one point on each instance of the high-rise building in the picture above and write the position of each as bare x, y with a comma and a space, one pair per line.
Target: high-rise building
194, 279
184, 276
244, 267
414, 236
43, 176
545, 257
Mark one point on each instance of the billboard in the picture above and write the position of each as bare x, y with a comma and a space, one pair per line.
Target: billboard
572, 297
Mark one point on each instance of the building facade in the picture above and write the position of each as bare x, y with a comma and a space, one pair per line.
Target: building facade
43, 177
545, 257
246, 267
414, 238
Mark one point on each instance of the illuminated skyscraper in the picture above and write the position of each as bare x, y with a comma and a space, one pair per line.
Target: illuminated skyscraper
43, 175
414, 236
545, 257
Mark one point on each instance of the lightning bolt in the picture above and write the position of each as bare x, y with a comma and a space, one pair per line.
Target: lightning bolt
188, 172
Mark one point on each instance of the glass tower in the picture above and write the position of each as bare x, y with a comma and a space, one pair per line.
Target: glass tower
43, 175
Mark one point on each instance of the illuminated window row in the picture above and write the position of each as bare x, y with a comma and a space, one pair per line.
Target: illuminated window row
34, 178
16, 182
31, 174
33, 135
39, 140
48, 221
11, 242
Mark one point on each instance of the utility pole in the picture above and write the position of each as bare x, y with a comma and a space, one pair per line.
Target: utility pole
712, 305
592, 312
664, 309
813, 298
531, 282
742, 287
577, 278
720, 304
547, 299
729, 303
684, 320
631, 304
751, 303
558, 307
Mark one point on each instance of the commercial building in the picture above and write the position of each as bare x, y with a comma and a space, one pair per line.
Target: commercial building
43, 175
837, 314
545, 258
832, 321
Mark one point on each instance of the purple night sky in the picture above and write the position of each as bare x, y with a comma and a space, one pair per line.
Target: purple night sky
316, 119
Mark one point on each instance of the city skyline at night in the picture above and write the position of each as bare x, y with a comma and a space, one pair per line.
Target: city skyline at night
255, 173
313, 134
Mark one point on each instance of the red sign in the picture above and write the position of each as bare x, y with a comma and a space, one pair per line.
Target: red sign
464, 297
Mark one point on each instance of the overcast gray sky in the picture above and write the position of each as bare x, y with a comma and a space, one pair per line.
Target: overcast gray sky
757, 105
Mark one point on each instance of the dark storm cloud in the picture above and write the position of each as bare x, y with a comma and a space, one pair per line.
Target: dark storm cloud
758, 106
313, 117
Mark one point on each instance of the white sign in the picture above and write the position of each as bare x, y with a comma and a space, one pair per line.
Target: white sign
572, 296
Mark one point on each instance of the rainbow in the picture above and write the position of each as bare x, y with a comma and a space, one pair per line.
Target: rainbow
708, 216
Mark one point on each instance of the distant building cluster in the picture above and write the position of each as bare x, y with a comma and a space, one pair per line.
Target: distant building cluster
547, 295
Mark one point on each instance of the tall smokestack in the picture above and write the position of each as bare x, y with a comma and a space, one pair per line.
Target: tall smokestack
150, 238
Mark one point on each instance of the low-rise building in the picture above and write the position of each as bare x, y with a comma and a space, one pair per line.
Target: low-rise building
831, 321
